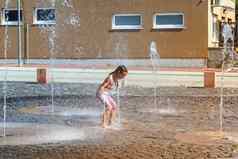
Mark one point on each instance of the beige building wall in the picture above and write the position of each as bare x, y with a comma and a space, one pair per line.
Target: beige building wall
226, 9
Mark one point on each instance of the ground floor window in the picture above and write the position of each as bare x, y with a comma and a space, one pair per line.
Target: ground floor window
10, 17
127, 21
44, 16
168, 21
215, 28
215, 2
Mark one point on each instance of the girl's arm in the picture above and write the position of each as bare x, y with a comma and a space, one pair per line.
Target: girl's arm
102, 87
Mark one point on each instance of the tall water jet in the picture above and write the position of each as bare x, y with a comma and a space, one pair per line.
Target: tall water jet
6, 42
67, 3
155, 62
52, 37
120, 49
59, 23
50, 30
20, 62
40, 127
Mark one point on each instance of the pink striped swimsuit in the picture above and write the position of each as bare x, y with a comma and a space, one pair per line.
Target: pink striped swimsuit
106, 98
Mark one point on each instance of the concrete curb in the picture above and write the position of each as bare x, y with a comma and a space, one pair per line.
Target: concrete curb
203, 78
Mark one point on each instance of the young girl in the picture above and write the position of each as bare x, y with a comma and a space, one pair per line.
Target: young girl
103, 94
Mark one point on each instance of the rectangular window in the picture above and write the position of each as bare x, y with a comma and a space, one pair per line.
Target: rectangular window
127, 21
168, 21
10, 17
44, 16
215, 2
215, 29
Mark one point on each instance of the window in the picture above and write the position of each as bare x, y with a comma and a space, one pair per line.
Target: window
215, 29
10, 17
168, 21
215, 2
127, 21
44, 16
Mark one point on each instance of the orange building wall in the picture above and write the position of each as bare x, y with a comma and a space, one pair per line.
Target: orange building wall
94, 38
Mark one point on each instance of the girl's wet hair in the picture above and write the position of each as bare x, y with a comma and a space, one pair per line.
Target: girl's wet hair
120, 70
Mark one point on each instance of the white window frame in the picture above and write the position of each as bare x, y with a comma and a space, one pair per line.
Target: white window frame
172, 26
4, 22
126, 27
43, 22
215, 31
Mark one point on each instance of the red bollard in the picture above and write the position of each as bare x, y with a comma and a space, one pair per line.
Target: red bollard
209, 79
41, 75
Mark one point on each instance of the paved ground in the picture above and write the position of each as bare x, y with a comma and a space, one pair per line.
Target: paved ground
147, 132
183, 125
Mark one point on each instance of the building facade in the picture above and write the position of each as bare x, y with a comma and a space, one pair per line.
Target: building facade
219, 13
113, 29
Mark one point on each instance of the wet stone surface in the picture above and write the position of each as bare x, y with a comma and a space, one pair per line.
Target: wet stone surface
147, 130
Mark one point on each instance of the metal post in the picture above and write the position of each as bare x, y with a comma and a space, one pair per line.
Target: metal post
26, 43
20, 63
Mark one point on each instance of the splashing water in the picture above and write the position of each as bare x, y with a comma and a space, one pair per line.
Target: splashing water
50, 31
120, 49
6, 43
67, 3
53, 33
169, 110
52, 37
155, 61
73, 20
154, 55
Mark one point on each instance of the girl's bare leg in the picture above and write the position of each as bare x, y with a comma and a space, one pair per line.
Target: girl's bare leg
113, 116
106, 118
109, 117
103, 120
